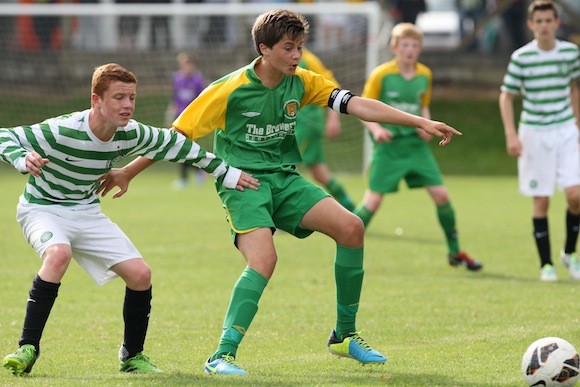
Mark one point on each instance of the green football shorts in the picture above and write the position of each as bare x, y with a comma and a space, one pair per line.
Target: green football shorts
408, 158
281, 201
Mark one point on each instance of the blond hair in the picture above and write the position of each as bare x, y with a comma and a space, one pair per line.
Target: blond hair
405, 30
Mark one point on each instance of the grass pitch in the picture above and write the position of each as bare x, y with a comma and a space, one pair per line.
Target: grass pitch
439, 326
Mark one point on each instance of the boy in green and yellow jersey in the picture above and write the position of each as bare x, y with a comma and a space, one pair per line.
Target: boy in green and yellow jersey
253, 113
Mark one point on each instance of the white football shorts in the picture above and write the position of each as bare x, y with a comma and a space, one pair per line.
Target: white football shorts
96, 242
550, 158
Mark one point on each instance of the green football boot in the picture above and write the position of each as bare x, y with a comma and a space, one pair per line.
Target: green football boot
21, 361
139, 364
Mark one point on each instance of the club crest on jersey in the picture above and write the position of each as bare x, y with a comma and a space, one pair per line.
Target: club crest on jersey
291, 109
564, 68
115, 160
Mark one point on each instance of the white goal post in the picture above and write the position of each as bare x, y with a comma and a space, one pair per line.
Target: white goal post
346, 36
179, 11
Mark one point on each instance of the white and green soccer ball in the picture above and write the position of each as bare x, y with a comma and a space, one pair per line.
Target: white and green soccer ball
551, 361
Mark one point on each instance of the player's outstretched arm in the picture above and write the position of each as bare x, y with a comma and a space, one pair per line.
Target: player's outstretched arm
375, 111
120, 177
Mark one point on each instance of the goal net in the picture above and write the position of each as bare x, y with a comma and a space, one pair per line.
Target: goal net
50, 50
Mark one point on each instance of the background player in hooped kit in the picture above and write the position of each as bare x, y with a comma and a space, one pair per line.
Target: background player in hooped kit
60, 212
253, 113
402, 151
546, 72
312, 123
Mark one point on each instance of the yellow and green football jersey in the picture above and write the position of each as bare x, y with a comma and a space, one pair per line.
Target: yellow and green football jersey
254, 125
387, 85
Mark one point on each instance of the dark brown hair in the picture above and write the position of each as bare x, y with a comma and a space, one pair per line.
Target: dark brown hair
542, 5
270, 27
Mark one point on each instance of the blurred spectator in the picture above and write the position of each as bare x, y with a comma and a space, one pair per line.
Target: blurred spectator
514, 19
128, 27
7, 31
45, 27
196, 26
338, 31
159, 32
470, 11
38, 33
333, 32
570, 17
406, 11
217, 31
88, 36
357, 27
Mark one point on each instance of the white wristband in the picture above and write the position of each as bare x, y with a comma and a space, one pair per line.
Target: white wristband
232, 177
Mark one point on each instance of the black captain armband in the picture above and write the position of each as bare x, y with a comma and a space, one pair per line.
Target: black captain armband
339, 99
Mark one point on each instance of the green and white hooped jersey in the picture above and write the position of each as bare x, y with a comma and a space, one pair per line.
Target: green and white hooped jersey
77, 158
255, 125
543, 79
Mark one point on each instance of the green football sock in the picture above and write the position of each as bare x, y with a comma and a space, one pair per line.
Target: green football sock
446, 216
241, 311
364, 213
348, 274
338, 192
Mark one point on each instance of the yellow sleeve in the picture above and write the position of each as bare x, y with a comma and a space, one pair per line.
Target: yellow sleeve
317, 89
206, 113
424, 70
315, 64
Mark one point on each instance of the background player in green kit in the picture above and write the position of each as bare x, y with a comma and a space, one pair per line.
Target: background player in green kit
60, 213
401, 151
253, 113
312, 123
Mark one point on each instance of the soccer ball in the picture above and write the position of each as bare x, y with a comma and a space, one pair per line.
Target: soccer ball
551, 361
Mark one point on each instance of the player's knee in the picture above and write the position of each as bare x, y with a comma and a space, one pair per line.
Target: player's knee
140, 277
373, 201
573, 199
440, 195
143, 276
352, 231
57, 258
574, 206
265, 267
